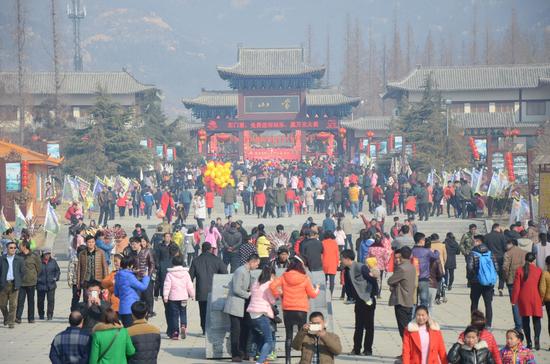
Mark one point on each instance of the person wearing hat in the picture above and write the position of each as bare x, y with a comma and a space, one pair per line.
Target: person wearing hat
46, 284
281, 260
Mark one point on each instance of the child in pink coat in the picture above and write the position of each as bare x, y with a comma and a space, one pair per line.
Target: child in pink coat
178, 288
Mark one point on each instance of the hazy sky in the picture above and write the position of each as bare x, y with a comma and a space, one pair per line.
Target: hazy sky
176, 44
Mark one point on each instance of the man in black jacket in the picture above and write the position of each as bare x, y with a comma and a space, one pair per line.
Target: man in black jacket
232, 240
311, 249
496, 242
145, 337
11, 276
202, 270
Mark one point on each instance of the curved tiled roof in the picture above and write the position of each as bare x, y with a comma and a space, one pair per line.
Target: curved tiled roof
368, 123
81, 83
490, 120
314, 97
458, 78
270, 62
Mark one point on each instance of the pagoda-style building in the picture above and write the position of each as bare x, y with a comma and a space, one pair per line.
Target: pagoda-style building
274, 110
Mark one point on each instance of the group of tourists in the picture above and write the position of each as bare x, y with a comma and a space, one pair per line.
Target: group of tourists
118, 278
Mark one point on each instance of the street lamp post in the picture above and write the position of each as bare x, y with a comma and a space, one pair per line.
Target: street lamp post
448, 103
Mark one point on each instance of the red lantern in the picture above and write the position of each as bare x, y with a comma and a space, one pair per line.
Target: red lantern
35, 138
322, 135
222, 138
391, 142
202, 135
370, 134
473, 147
164, 150
342, 132
24, 173
515, 132
149, 143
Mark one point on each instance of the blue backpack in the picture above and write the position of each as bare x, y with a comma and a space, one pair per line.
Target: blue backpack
486, 274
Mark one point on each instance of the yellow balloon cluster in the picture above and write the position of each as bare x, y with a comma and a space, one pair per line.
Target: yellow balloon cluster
218, 174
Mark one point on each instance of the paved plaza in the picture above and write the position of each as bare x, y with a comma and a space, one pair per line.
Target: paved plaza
31, 343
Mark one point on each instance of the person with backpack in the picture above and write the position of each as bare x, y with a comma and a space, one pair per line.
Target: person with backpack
526, 295
481, 272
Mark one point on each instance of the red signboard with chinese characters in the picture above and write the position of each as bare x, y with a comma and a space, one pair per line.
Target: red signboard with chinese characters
229, 125
293, 153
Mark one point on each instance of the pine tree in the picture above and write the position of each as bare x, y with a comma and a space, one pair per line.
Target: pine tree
109, 146
424, 125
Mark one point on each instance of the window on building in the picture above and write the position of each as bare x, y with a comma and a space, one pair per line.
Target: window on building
536, 107
476, 107
504, 107
457, 108
76, 112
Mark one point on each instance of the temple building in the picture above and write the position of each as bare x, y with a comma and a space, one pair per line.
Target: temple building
274, 110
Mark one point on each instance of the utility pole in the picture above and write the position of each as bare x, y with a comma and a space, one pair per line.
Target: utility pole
76, 12
20, 34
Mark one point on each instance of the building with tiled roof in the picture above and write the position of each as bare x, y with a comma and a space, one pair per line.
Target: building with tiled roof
77, 92
274, 110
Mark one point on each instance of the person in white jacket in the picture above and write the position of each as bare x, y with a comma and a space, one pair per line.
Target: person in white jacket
178, 288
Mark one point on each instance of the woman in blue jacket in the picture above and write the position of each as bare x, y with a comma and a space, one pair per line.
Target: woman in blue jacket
128, 289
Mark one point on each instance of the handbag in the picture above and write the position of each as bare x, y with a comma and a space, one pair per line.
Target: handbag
108, 347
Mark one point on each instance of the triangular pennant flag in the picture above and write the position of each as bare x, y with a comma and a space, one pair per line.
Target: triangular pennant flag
30, 212
20, 222
51, 223
4, 224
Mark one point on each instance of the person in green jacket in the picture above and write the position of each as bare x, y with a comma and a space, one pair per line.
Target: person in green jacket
110, 341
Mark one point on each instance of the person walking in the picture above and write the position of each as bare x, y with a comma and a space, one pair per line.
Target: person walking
91, 265
11, 276
145, 337
425, 257
71, 345
261, 313
453, 249
514, 258
382, 255
108, 284
363, 289
47, 283
202, 271
330, 258
128, 289
422, 340
515, 352
213, 236
232, 240
110, 341
311, 250
481, 272
199, 210
542, 250
31, 270
259, 202
544, 290
479, 322
526, 295
178, 288
402, 286
145, 266
295, 287
496, 242
229, 197
236, 304
163, 253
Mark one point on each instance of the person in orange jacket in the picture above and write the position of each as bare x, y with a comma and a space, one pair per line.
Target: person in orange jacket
108, 284
330, 258
423, 337
295, 287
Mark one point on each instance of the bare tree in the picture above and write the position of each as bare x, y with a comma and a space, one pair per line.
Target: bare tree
395, 70
20, 38
474, 46
429, 50
308, 47
411, 54
488, 54
327, 57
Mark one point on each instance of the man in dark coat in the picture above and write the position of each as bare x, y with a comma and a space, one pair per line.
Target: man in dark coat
145, 337
31, 270
11, 276
311, 249
496, 242
232, 240
202, 270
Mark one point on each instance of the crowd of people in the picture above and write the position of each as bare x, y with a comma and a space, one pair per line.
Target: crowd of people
117, 278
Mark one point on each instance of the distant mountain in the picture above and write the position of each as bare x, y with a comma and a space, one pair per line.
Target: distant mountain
176, 44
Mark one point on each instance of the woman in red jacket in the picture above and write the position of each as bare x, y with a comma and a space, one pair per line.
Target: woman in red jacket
209, 201
526, 295
259, 202
422, 340
330, 258
295, 287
